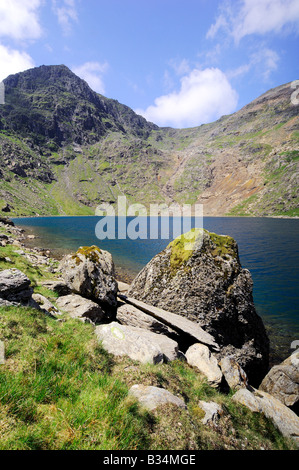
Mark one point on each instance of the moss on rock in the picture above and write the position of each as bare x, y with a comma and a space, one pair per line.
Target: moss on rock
183, 247
90, 252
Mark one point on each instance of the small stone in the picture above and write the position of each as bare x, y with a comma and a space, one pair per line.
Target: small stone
212, 410
234, 375
152, 397
199, 356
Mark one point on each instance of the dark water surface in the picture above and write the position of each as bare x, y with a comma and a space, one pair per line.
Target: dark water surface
267, 247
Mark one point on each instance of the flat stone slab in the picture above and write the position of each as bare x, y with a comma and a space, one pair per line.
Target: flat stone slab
152, 397
121, 340
175, 321
131, 316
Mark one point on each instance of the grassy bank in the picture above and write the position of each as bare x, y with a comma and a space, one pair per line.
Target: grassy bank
60, 390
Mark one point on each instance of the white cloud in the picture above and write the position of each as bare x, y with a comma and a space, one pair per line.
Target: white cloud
19, 19
264, 61
204, 96
267, 59
92, 73
181, 67
13, 61
66, 12
248, 17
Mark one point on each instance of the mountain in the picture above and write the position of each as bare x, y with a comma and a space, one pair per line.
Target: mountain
64, 149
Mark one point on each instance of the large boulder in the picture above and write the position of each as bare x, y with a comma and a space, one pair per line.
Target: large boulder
15, 287
90, 273
199, 276
261, 402
282, 381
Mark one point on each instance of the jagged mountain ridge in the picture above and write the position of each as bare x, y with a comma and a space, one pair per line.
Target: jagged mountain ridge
64, 149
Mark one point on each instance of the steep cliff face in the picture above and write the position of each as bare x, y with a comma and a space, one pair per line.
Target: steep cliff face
56, 133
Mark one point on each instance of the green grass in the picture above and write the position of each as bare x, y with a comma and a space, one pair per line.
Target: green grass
59, 390
56, 391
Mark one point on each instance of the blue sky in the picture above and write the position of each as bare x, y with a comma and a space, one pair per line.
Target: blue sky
179, 63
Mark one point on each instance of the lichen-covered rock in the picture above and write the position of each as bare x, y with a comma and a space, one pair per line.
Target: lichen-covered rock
90, 273
15, 286
282, 381
202, 279
151, 397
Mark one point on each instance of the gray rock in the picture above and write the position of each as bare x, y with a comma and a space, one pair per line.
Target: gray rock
123, 287
121, 340
153, 397
131, 316
282, 381
45, 304
283, 418
90, 273
15, 286
181, 325
206, 284
212, 410
80, 308
199, 356
167, 346
57, 286
233, 373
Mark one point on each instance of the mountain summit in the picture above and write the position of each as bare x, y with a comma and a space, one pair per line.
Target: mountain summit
64, 149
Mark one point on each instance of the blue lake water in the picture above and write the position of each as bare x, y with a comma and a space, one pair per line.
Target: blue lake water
267, 247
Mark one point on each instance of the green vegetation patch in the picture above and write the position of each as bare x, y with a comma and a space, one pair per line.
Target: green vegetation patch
56, 390
183, 246
224, 245
59, 390
90, 252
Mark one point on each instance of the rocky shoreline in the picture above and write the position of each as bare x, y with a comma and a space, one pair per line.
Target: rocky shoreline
195, 307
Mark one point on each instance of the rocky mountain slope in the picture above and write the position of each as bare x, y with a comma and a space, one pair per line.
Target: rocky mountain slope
64, 149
